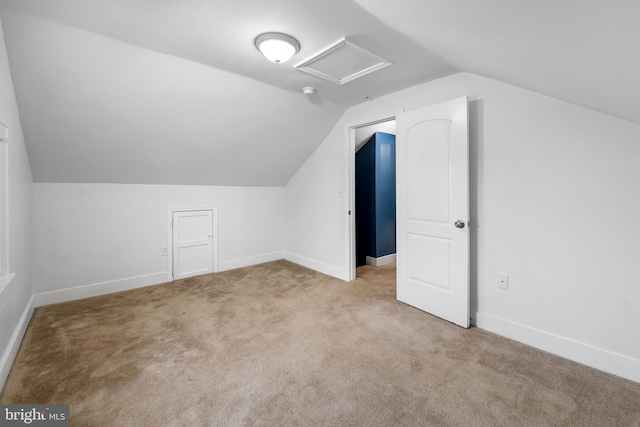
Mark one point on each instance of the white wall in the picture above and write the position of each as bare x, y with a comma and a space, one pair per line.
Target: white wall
14, 300
553, 204
107, 237
178, 121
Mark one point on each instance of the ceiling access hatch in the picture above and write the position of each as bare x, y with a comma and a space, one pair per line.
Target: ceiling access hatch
343, 62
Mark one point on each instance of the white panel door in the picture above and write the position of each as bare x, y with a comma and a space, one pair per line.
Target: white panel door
433, 210
192, 243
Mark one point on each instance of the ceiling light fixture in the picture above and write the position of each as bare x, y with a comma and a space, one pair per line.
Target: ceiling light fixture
277, 47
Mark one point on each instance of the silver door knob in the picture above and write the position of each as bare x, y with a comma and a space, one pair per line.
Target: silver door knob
459, 223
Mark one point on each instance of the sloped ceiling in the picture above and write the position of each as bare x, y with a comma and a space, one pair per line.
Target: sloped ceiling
174, 91
585, 52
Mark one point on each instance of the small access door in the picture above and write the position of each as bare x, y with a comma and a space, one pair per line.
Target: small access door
192, 243
433, 210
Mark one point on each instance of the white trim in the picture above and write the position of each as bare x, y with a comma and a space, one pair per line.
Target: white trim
318, 266
350, 201
102, 288
306, 65
250, 260
214, 215
4, 202
350, 185
5, 280
380, 261
14, 343
598, 358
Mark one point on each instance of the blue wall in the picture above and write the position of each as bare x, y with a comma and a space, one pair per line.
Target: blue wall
376, 197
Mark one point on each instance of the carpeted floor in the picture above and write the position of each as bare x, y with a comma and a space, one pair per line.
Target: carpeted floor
280, 345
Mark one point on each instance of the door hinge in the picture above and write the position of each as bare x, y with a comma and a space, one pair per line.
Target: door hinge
349, 212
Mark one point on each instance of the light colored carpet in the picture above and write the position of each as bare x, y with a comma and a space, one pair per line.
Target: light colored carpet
280, 345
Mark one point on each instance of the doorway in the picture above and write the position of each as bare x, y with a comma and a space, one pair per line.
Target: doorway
360, 138
375, 193
432, 215
193, 237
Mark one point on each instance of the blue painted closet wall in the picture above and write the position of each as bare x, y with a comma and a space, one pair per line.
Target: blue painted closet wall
376, 197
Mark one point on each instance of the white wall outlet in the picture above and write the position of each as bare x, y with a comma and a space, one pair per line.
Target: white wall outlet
164, 252
503, 281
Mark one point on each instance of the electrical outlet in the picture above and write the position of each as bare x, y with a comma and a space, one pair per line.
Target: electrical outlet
503, 281
164, 252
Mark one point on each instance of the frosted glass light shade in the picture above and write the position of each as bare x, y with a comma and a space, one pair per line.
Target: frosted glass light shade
277, 47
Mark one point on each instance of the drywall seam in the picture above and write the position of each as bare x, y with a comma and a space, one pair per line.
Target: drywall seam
598, 358
16, 339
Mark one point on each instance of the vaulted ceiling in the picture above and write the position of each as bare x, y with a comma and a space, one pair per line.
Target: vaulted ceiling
175, 92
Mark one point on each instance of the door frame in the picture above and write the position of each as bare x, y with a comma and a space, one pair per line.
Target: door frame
214, 228
350, 185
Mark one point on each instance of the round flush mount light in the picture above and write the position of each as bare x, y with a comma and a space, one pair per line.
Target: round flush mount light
277, 47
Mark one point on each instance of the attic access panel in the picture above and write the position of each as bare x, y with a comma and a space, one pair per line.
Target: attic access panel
343, 62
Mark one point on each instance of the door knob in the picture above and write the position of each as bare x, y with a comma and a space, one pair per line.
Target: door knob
459, 223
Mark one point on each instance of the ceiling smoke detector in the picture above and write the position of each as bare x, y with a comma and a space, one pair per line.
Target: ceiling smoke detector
308, 90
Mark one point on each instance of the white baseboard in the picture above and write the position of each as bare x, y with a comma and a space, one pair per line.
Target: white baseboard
250, 260
14, 344
319, 266
102, 288
604, 360
380, 261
